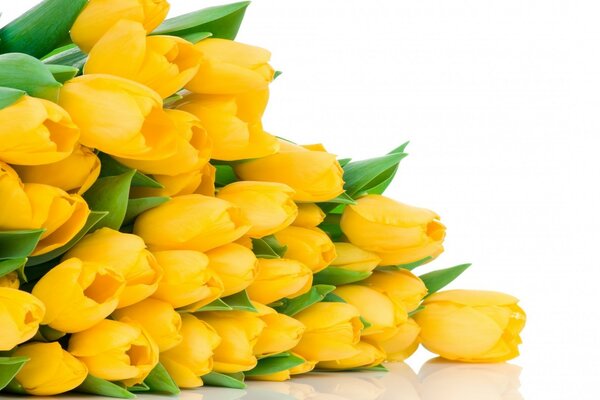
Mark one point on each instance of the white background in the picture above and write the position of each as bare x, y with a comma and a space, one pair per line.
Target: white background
501, 103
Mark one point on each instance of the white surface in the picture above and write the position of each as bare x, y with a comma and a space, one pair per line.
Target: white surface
501, 101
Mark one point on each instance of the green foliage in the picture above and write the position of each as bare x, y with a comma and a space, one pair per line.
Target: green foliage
19, 244
293, 306
275, 363
268, 247
8, 96
111, 167
339, 276
137, 206
437, 280
101, 387
234, 381
9, 367
26, 73
159, 381
110, 193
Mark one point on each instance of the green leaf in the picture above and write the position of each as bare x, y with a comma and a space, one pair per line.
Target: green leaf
339, 276
172, 99
293, 306
409, 266
277, 74
224, 175
111, 167
49, 334
268, 247
234, 381
93, 219
239, 301
111, 194
331, 226
217, 305
70, 56
366, 324
19, 244
276, 363
333, 298
379, 367
436, 280
10, 265
42, 28
337, 205
195, 37
343, 198
139, 388
8, 96
62, 73
59, 50
23, 72
15, 387
344, 161
101, 387
137, 206
415, 311
159, 381
222, 21
9, 367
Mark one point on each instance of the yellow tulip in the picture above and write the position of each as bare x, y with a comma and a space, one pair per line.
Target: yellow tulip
314, 175
156, 317
268, 206
312, 247
116, 351
10, 280
125, 253
62, 215
191, 222
20, 316
353, 258
193, 357
163, 63
310, 215
401, 344
76, 173
15, 213
376, 308
281, 332
404, 288
88, 293
50, 370
471, 325
396, 232
278, 278
188, 281
100, 15
36, 131
239, 332
233, 123
368, 356
332, 331
120, 117
230, 67
235, 264
284, 375
198, 181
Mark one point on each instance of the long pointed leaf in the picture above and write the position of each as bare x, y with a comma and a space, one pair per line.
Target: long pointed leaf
437, 280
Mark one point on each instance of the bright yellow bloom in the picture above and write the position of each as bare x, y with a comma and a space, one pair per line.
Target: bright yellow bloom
284, 375
312, 247
332, 331
281, 333
10, 280
76, 173
156, 317
50, 370
193, 357
100, 15
396, 232
15, 212
235, 264
88, 293
314, 175
310, 215
192, 222
233, 124
278, 278
188, 281
471, 325
116, 351
230, 67
400, 344
36, 131
353, 258
268, 206
368, 356
125, 253
20, 316
403, 287
120, 117
198, 181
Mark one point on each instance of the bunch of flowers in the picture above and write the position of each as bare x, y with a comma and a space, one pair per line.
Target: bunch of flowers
153, 235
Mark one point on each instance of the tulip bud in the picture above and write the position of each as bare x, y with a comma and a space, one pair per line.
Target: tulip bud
353, 258
403, 287
192, 222
268, 206
493, 321
198, 181
376, 308
126, 254
50, 370
193, 357
368, 356
120, 117
312, 247
15, 212
88, 293
116, 351
230, 67
314, 175
310, 215
156, 317
332, 331
278, 278
163, 63
235, 264
239, 332
100, 15
187, 281
286, 374
20, 316
10, 280
76, 173
396, 232
400, 344
36, 131
281, 333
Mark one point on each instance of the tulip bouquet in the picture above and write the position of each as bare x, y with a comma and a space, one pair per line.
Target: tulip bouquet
153, 235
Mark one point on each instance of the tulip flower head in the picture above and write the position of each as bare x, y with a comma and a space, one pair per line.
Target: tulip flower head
20, 316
